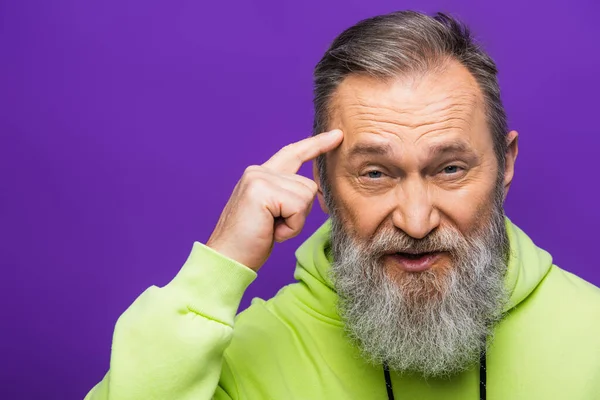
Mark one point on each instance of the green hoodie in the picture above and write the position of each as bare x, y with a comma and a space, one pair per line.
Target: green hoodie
179, 341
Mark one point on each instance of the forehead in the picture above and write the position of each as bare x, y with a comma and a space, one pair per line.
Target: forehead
434, 106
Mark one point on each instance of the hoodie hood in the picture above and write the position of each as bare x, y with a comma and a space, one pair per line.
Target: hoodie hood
527, 267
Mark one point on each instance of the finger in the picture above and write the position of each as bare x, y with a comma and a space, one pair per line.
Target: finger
293, 186
288, 208
296, 184
291, 157
307, 182
290, 227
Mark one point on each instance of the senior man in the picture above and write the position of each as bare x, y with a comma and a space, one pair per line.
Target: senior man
417, 287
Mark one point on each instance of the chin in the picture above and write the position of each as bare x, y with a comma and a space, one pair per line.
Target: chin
424, 286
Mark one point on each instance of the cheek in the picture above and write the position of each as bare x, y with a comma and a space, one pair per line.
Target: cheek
361, 214
466, 207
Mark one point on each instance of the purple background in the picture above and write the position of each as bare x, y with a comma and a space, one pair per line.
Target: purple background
125, 125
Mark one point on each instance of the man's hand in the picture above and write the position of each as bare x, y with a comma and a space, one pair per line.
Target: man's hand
270, 203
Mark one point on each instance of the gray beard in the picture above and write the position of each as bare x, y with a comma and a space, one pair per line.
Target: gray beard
436, 322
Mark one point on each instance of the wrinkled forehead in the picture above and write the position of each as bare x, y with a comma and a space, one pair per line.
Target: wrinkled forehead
442, 103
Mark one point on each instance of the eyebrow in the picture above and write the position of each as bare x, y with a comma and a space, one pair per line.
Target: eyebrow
441, 149
436, 150
370, 149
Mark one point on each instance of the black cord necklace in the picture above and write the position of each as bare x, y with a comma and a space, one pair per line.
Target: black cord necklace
482, 379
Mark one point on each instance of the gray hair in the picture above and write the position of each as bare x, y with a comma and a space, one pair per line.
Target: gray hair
405, 43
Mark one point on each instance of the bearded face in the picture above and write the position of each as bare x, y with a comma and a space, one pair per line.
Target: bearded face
415, 193
434, 322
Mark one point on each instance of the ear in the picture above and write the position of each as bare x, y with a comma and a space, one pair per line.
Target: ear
512, 139
317, 179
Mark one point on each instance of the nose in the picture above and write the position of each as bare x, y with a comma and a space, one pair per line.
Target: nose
415, 213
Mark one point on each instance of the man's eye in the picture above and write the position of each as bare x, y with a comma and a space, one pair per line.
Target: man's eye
451, 169
374, 174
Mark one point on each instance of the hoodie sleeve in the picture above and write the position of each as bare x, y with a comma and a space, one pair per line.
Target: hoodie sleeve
169, 343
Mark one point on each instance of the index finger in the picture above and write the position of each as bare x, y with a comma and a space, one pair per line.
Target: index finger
291, 157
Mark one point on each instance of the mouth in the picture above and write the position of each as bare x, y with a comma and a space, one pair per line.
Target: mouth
415, 262
412, 255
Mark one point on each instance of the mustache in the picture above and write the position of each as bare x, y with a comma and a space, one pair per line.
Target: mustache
390, 241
